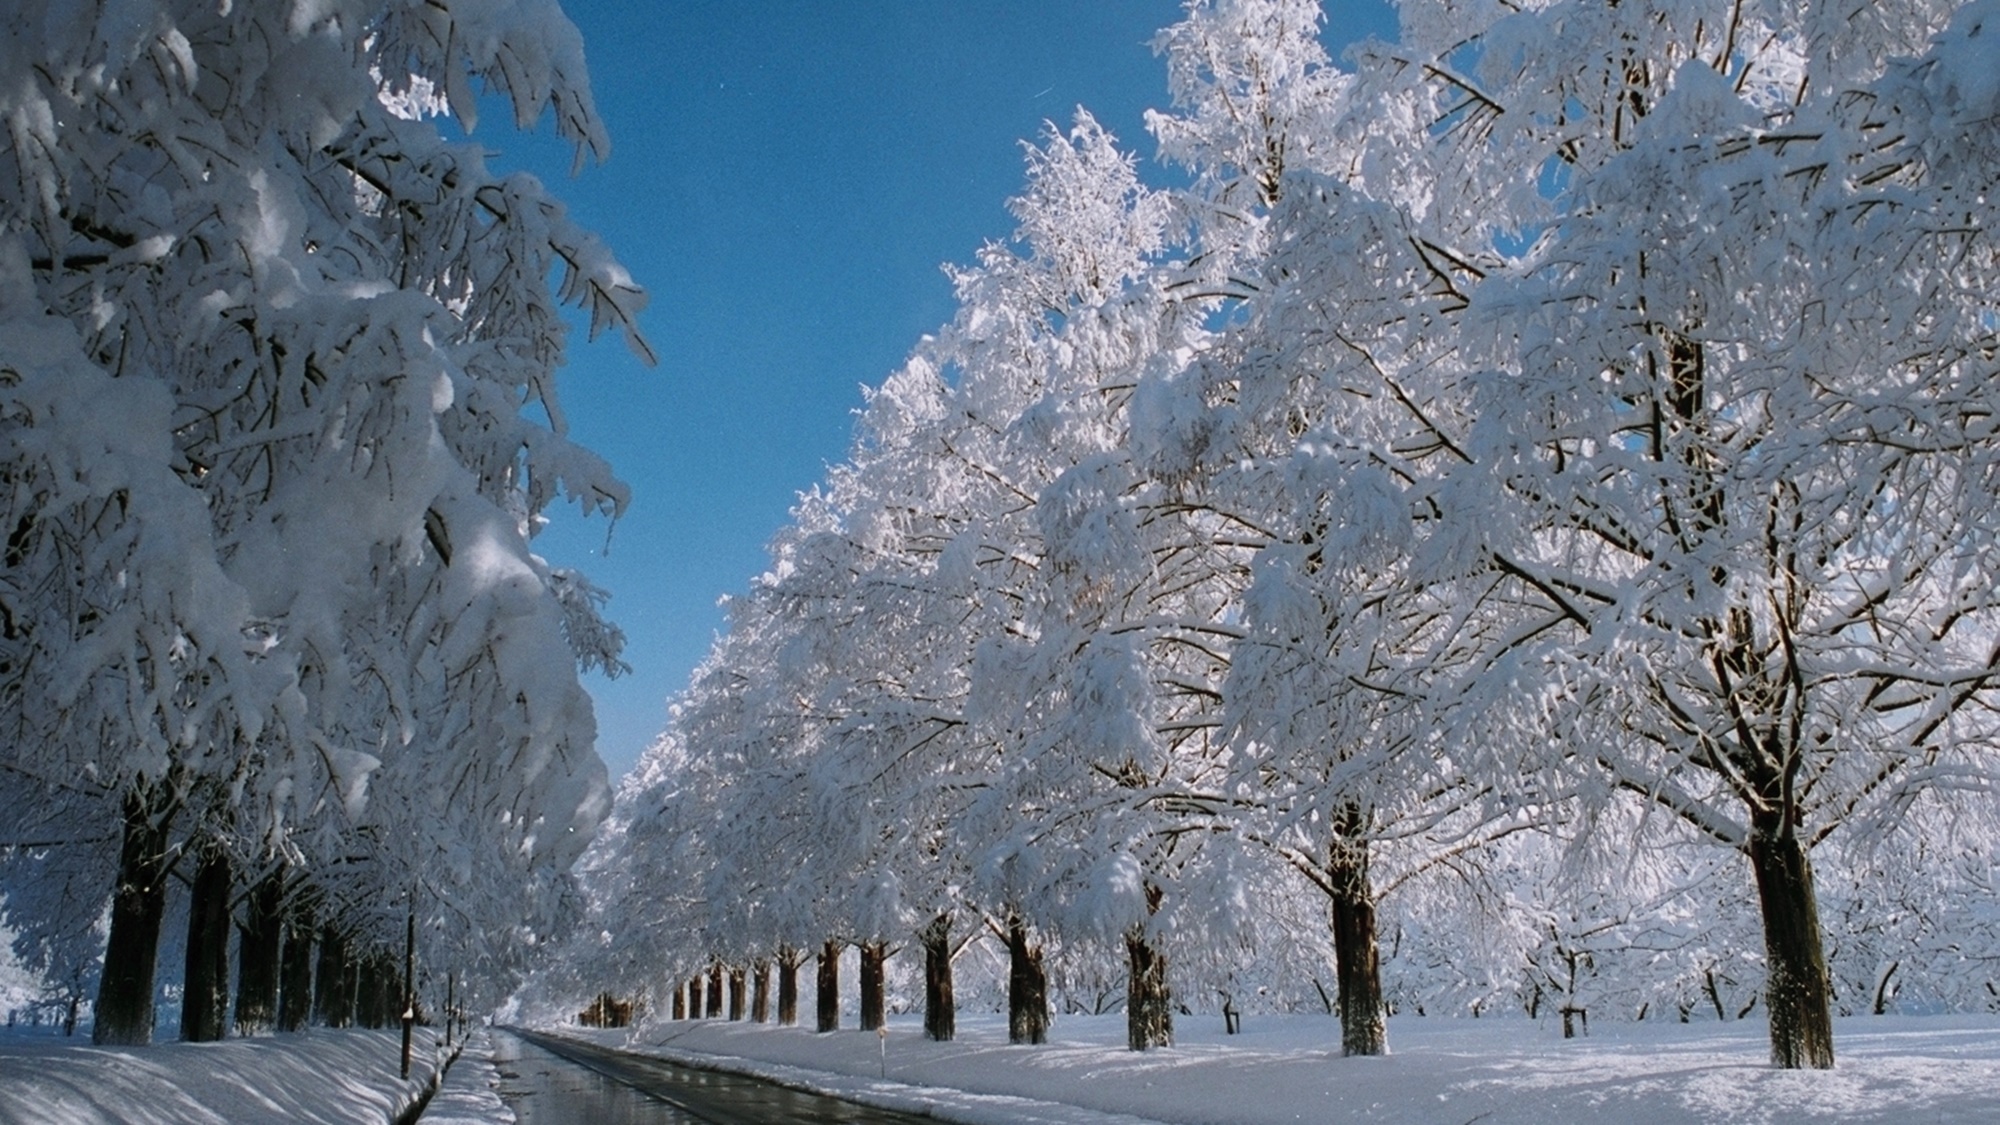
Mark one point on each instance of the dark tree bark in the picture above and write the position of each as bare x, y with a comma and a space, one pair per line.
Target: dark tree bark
760, 990
381, 991
1027, 986
124, 1010
1357, 961
205, 988
259, 948
736, 989
680, 1002
1149, 1013
368, 991
940, 1009
828, 999
874, 985
295, 989
715, 991
333, 985
406, 992
788, 986
1796, 990
388, 989
695, 989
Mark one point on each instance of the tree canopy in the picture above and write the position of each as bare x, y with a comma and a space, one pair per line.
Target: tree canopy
277, 380
1525, 488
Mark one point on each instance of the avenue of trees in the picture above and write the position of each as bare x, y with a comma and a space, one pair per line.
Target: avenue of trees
1512, 528
277, 420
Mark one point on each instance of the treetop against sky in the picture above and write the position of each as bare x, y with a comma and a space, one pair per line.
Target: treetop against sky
788, 181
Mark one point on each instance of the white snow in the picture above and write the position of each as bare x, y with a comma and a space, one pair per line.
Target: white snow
469, 1094
1281, 1069
1289, 1068
313, 1077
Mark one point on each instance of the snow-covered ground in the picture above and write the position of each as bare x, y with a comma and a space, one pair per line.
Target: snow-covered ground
470, 1093
1282, 1069
1288, 1068
310, 1078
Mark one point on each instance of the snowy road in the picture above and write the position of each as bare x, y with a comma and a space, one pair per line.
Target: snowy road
545, 1081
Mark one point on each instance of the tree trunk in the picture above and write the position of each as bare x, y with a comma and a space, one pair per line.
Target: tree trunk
760, 990
406, 991
694, 994
715, 991
788, 986
296, 982
828, 1000
382, 990
388, 989
333, 985
1027, 986
940, 1010
368, 992
874, 985
1795, 991
1149, 1014
124, 1010
259, 947
1883, 992
1357, 962
680, 1002
736, 983
205, 987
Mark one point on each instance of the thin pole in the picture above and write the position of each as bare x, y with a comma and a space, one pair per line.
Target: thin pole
409, 978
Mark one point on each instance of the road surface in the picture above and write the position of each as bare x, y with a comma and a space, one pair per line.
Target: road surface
548, 1081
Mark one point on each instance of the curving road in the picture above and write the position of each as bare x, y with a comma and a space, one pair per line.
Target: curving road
548, 1081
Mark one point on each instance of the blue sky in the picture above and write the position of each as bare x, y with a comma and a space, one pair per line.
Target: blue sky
786, 179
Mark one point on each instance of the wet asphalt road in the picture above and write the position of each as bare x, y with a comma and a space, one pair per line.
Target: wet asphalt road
559, 1082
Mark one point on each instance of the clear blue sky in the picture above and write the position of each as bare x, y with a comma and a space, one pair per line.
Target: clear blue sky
786, 179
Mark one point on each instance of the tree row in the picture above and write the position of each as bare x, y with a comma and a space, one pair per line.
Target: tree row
277, 393
1512, 505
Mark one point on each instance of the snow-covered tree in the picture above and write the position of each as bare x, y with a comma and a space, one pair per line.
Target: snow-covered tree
270, 341
1721, 460
1535, 471
1624, 410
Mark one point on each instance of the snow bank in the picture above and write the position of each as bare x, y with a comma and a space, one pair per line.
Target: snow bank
310, 1078
1287, 1069
470, 1094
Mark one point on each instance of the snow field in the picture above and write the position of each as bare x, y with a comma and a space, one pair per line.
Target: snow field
316, 1077
1289, 1069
